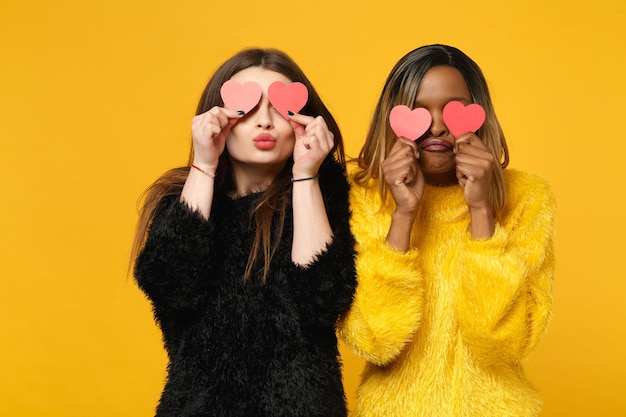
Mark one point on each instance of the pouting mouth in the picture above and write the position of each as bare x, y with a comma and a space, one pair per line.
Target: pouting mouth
264, 137
435, 144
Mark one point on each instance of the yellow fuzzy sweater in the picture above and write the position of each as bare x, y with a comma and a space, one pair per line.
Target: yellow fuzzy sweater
446, 326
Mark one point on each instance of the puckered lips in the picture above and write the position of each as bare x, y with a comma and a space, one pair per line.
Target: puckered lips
264, 141
436, 145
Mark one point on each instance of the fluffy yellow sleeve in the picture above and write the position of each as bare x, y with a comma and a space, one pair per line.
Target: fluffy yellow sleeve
387, 307
504, 297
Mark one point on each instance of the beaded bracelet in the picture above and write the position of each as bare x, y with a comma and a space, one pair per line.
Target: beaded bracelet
208, 174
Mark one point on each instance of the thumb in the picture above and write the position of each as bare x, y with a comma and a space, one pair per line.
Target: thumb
231, 122
298, 128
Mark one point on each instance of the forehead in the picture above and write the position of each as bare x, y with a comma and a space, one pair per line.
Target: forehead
443, 82
260, 75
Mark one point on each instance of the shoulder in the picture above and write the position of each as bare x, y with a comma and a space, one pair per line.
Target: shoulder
366, 195
527, 189
370, 217
521, 184
363, 194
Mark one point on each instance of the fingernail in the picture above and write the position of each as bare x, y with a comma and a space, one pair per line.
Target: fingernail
240, 112
290, 113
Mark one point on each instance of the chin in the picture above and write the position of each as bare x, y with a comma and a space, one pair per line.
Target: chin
437, 166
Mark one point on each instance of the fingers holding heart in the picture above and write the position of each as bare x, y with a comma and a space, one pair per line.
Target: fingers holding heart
400, 166
321, 136
468, 142
402, 175
206, 125
408, 146
400, 170
310, 142
474, 164
213, 121
314, 141
474, 177
312, 131
209, 132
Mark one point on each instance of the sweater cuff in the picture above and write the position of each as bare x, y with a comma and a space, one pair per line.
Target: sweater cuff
172, 265
174, 219
378, 259
493, 246
324, 288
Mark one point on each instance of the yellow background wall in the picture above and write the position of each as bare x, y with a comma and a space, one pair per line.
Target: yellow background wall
96, 99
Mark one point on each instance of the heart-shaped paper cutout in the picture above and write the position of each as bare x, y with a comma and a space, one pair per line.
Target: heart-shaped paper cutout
462, 119
407, 123
241, 97
287, 97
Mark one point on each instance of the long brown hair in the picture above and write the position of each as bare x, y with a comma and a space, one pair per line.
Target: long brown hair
401, 88
267, 230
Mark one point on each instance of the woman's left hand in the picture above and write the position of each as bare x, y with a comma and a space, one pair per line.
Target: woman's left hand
474, 167
313, 143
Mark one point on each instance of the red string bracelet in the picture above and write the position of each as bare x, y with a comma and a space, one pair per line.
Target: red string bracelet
208, 174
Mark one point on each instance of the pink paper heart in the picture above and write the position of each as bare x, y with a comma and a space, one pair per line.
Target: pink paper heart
462, 119
242, 97
287, 97
407, 123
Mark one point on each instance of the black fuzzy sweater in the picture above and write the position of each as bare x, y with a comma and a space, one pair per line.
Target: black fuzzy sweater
246, 348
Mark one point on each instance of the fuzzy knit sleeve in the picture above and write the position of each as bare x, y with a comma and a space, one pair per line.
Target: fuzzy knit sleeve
387, 307
323, 290
505, 283
173, 266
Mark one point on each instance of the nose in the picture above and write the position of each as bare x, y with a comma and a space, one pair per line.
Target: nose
438, 128
263, 117
264, 124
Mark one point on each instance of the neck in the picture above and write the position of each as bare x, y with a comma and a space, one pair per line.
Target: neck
253, 178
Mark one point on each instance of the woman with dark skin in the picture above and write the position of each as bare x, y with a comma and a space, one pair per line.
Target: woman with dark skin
455, 255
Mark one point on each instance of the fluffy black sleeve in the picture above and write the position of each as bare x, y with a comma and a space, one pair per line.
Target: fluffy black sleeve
324, 289
173, 267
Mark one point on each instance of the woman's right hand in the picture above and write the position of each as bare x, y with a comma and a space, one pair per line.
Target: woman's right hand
403, 177
405, 181
209, 131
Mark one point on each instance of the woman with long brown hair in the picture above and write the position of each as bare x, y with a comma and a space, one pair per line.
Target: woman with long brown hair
247, 256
